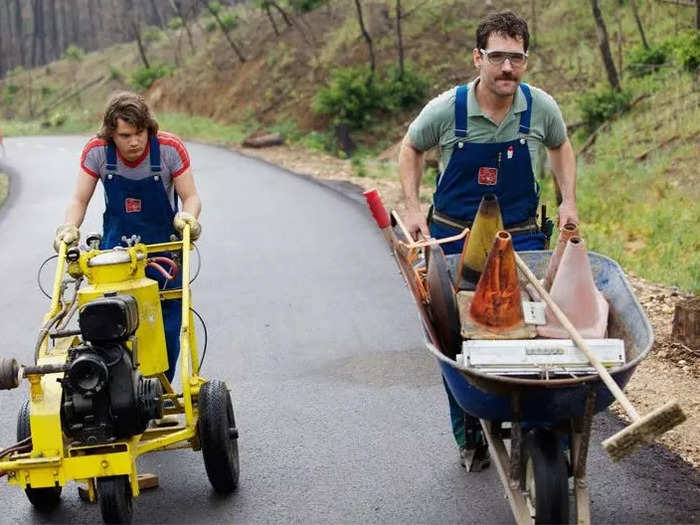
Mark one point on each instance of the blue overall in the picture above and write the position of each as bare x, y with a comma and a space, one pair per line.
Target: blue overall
461, 186
468, 176
142, 207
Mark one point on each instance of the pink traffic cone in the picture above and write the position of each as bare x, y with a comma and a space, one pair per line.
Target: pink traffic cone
574, 291
569, 230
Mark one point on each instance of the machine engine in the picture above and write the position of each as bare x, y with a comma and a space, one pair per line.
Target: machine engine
105, 397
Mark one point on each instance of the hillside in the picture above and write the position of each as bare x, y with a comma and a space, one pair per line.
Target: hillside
638, 188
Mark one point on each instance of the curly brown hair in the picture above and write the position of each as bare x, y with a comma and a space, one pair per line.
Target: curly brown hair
132, 109
506, 23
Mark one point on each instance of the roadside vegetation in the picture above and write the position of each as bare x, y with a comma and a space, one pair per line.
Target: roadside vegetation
346, 78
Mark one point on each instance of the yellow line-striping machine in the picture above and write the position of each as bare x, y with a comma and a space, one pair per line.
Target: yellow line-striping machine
97, 392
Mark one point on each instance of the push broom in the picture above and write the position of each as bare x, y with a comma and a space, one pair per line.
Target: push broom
643, 429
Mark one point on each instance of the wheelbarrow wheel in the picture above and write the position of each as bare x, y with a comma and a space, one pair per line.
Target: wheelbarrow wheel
114, 494
218, 436
44, 499
545, 479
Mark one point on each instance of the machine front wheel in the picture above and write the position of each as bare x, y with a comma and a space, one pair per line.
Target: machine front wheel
44, 499
545, 478
218, 436
114, 494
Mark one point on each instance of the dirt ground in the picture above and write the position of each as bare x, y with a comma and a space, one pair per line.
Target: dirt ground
671, 371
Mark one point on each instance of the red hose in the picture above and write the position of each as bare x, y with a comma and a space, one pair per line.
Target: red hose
154, 262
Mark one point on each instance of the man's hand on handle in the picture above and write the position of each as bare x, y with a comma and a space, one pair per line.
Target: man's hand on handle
567, 213
182, 218
415, 223
67, 233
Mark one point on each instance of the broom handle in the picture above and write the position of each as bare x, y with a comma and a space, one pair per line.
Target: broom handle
580, 342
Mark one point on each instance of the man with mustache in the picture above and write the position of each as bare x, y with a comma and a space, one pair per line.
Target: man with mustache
489, 133
143, 172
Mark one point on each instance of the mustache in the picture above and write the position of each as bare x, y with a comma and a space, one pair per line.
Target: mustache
506, 77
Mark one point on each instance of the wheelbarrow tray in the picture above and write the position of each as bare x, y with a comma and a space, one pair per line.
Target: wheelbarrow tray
490, 397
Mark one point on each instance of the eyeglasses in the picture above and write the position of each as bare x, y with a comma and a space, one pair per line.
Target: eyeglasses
497, 58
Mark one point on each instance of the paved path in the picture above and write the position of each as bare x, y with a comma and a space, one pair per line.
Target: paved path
341, 412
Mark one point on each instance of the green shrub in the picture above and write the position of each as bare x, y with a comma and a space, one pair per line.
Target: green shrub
210, 26
143, 78
350, 98
151, 34
10, 91
642, 61
406, 91
598, 106
229, 21
175, 23
73, 52
304, 6
687, 51
114, 73
47, 91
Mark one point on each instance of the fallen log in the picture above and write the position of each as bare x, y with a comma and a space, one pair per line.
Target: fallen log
263, 141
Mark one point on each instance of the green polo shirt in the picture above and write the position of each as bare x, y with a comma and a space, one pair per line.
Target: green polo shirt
436, 123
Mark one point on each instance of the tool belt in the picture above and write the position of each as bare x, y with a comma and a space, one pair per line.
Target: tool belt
527, 226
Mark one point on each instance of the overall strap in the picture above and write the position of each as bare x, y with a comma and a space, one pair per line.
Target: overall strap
525, 115
111, 157
155, 154
461, 111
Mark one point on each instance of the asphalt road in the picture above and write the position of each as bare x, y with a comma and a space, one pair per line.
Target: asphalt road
341, 412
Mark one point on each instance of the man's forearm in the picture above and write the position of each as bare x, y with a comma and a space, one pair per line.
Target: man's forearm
75, 213
410, 174
564, 168
193, 205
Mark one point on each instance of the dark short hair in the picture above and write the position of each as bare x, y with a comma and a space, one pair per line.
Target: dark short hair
132, 109
506, 23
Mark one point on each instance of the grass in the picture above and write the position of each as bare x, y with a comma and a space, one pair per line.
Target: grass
192, 127
4, 186
72, 125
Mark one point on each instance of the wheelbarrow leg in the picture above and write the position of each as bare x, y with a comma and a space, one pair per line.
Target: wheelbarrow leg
503, 462
580, 438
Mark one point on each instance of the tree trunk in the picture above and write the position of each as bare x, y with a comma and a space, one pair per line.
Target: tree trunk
92, 36
3, 52
139, 42
533, 25
75, 23
282, 12
233, 45
53, 31
368, 39
604, 45
639, 24
271, 19
19, 32
686, 323
156, 19
399, 38
177, 7
618, 19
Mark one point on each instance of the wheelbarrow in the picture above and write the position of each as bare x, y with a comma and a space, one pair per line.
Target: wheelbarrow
537, 425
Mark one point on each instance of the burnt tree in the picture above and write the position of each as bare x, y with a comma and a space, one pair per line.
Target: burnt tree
604, 46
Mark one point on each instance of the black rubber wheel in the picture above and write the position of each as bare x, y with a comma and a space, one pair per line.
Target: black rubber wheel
544, 476
44, 499
218, 436
114, 495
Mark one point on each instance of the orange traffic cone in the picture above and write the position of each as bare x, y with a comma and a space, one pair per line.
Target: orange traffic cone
487, 223
574, 291
568, 231
494, 310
